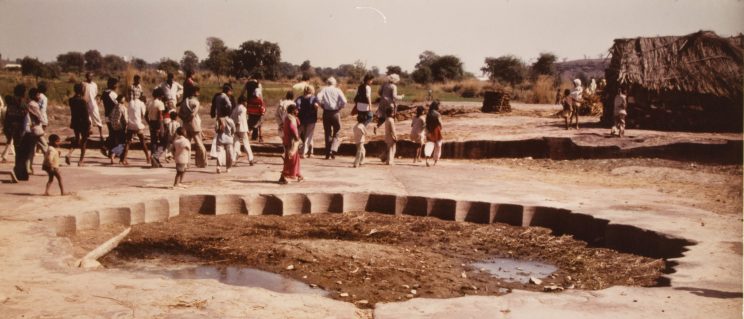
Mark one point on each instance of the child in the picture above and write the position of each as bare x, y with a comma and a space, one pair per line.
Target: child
51, 164
182, 150
390, 137
225, 130
154, 121
417, 132
567, 103
434, 131
118, 121
240, 118
360, 132
620, 112
80, 123
168, 131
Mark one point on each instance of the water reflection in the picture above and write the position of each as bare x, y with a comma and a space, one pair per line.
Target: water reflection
230, 275
516, 270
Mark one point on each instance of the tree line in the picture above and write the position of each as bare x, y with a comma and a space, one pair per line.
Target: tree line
262, 60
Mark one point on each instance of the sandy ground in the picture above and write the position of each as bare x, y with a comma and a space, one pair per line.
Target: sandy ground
695, 201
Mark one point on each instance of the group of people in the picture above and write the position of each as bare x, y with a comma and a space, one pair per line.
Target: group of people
172, 116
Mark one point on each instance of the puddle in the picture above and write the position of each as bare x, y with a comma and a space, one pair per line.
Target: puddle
229, 275
516, 270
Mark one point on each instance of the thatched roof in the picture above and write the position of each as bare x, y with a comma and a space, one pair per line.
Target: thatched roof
698, 63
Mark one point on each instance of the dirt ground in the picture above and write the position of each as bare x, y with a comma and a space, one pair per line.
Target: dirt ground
380, 258
716, 188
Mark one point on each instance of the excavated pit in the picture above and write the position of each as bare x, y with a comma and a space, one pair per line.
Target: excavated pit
389, 225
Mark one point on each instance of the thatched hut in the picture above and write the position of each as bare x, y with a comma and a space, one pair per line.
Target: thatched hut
691, 82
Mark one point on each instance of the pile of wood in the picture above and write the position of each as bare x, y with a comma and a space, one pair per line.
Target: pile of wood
496, 101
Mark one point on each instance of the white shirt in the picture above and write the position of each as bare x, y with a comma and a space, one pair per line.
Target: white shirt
135, 115
172, 92
91, 91
155, 109
331, 98
43, 103
240, 117
183, 150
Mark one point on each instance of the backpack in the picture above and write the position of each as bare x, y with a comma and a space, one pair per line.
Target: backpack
361, 95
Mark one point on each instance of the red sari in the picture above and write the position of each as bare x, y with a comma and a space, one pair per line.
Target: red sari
291, 145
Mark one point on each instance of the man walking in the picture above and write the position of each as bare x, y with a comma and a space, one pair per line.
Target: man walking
332, 100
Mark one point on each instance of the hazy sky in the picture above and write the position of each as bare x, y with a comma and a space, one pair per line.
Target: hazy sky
332, 32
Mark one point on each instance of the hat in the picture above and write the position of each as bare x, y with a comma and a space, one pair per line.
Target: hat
394, 78
577, 82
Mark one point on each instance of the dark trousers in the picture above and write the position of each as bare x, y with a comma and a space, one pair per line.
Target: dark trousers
331, 126
154, 136
25, 149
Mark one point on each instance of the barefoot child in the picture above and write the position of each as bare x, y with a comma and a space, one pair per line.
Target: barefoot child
360, 132
182, 151
418, 125
391, 137
51, 164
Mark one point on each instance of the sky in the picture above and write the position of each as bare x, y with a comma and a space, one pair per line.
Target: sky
332, 32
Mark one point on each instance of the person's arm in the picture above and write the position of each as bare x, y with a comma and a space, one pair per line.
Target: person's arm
395, 93
369, 95
342, 98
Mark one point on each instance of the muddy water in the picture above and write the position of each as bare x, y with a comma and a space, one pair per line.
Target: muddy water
515, 270
229, 275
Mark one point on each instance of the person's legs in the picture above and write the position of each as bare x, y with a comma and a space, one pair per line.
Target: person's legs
336, 126
359, 154
243, 138
228, 156
364, 155
141, 137
154, 136
621, 125
327, 127
73, 144
31, 152
437, 151
9, 149
83, 147
391, 154
201, 151
49, 182
127, 141
309, 134
59, 181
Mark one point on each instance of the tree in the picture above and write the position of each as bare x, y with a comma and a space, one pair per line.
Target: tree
32, 66
545, 65
93, 60
447, 68
168, 65
139, 64
375, 71
507, 68
219, 60
393, 69
357, 71
288, 70
71, 61
113, 63
432, 67
189, 62
307, 69
258, 59
422, 75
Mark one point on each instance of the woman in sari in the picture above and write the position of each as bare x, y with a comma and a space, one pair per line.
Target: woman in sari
291, 141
